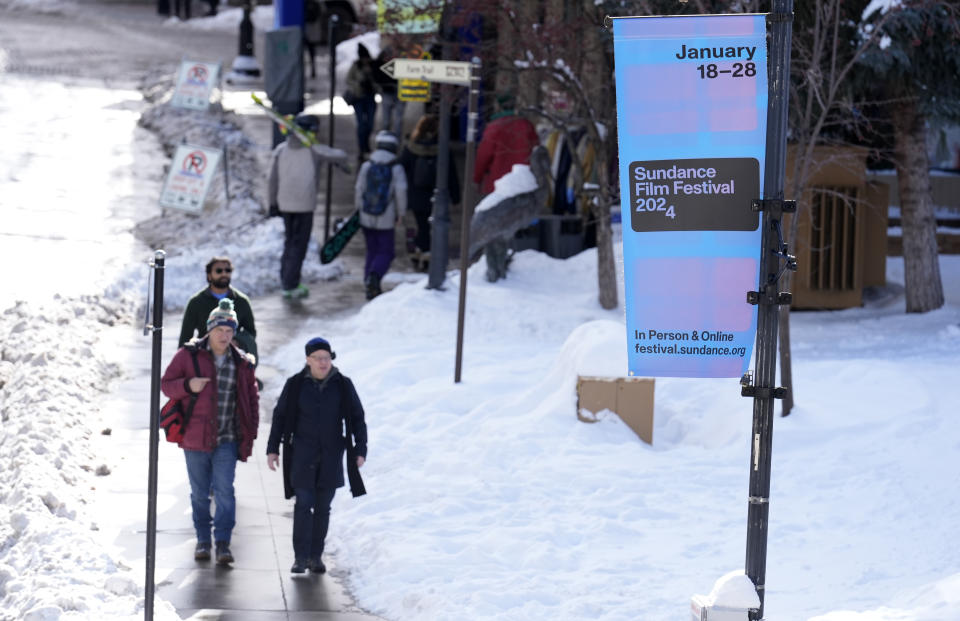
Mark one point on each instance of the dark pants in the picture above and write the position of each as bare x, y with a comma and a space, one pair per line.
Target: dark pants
296, 236
380, 251
311, 517
364, 109
422, 239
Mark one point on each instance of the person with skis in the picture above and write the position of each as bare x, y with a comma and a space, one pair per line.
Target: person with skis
380, 196
292, 186
194, 325
316, 406
221, 428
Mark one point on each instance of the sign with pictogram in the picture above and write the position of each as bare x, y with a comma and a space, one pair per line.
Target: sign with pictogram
195, 84
188, 180
691, 126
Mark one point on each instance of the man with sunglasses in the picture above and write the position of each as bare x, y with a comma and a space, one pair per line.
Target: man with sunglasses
219, 270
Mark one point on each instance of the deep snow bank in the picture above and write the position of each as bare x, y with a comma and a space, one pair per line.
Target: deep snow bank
52, 377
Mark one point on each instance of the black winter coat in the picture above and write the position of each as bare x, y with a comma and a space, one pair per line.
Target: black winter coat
309, 422
419, 161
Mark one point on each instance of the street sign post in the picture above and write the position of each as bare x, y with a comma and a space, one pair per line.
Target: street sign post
700, 115
447, 71
461, 74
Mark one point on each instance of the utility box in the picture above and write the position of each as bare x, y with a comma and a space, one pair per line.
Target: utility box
702, 610
561, 236
631, 398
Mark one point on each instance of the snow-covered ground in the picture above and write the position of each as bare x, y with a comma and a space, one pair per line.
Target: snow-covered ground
488, 499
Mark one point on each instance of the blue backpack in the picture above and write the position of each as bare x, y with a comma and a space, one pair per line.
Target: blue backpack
376, 193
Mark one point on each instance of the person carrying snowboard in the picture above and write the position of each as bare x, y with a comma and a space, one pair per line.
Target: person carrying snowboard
380, 196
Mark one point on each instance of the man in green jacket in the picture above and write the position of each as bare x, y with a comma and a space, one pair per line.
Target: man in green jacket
204, 301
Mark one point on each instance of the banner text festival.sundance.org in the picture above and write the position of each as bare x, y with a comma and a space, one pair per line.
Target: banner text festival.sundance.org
701, 336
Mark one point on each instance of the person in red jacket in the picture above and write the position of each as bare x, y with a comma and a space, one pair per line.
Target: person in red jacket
507, 140
222, 427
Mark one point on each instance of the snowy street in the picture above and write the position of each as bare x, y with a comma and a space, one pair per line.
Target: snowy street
486, 499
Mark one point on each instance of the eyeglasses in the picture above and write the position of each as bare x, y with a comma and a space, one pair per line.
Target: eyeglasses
320, 358
222, 270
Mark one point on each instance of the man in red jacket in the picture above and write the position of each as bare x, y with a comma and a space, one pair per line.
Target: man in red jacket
222, 427
507, 140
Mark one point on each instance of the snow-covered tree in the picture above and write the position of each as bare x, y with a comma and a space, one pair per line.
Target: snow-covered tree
915, 67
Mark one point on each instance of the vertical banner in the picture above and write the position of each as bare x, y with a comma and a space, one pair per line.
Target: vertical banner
691, 117
195, 84
188, 180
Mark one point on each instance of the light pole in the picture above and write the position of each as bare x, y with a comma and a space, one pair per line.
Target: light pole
246, 68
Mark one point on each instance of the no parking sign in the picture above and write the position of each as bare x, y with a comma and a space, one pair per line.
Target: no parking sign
195, 84
188, 180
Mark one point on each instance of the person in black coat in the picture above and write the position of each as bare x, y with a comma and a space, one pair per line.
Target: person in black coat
419, 160
309, 421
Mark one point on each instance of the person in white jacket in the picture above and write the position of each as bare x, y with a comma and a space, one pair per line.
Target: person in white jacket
292, 186
381, 198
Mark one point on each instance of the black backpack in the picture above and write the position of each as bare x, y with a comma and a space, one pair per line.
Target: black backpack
376, 193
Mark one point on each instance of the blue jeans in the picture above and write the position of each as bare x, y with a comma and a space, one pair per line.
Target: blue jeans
216, 470
391, 112
311, 517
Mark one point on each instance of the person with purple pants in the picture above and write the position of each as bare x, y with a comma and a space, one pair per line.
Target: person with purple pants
381, 198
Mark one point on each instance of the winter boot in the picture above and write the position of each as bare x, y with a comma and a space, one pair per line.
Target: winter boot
316, 566
299, 566
411, 234
373, 285
202, 551
425, 261
224, 555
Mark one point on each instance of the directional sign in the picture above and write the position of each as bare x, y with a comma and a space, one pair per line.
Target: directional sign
449, 71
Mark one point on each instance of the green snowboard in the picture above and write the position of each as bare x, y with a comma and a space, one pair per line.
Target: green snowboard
340, 238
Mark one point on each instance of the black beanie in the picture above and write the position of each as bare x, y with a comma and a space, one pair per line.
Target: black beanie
319, 343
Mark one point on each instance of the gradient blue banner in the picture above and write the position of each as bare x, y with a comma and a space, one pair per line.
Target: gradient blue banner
691, 117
